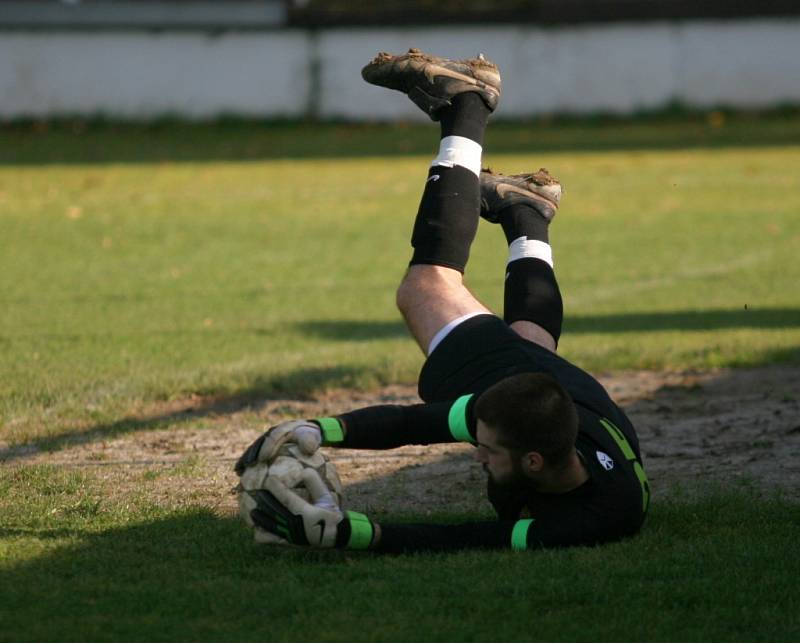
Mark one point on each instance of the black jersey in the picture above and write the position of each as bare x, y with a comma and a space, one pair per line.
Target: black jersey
609, 506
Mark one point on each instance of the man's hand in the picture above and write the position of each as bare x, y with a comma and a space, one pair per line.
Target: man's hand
279, 511
305, 434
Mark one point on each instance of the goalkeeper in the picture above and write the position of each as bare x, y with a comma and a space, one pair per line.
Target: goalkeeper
562, 460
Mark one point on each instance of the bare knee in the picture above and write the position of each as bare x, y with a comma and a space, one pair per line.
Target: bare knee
417, 285
405, 294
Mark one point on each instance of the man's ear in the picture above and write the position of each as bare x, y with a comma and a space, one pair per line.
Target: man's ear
532, 462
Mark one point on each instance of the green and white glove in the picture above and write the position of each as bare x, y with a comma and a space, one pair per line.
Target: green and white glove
306, 434
279, 511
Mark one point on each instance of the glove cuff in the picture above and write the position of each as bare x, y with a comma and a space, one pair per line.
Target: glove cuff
331, 428
354, 532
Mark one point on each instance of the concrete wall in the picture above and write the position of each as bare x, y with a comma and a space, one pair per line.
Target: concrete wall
273, 73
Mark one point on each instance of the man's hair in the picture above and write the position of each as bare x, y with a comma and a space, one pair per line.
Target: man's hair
531, 412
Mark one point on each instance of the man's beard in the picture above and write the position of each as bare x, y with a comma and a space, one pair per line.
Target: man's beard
509, 494
515, 480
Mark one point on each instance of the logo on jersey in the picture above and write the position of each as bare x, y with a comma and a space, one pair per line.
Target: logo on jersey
605, 460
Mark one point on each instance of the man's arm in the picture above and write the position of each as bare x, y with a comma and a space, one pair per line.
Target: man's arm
389, 426
567, 527
302, 523
398, 538
282, 512
374, 427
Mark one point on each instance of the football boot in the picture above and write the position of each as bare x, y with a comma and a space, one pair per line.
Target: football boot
432, 82
539, 190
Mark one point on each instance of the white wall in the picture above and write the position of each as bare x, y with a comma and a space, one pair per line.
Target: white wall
270, 73
143, 75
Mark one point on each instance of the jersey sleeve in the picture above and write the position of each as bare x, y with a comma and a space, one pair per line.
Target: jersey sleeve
399, 538
518, 535
560, 529
389, 426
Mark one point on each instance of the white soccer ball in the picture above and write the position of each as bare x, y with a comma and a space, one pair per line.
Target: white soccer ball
288, 466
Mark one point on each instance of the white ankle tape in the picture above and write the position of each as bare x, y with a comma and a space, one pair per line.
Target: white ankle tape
524, 248
458, 150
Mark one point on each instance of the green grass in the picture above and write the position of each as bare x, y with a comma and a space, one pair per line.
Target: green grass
98, 141
239, 261
74, 565
127, 279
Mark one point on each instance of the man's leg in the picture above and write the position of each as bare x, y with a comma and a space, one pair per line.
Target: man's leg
432, 294
431, 298
524, 205
461, 94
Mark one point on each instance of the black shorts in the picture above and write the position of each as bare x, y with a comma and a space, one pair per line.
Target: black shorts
483, 350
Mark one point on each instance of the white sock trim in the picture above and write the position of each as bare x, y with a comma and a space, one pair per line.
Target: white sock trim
458, 150
524, 248
448, 328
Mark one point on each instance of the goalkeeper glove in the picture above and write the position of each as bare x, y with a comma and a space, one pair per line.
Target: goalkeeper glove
304, 433
280, 511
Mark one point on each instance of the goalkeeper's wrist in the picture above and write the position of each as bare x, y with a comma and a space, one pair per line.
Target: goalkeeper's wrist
332, 430
356, 531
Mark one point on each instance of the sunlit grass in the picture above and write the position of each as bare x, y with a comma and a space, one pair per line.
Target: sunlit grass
144, 264
123, 283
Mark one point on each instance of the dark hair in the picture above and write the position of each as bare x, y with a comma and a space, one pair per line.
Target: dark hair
531, 412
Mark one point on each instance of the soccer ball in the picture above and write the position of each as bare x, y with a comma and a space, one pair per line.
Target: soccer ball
288, 465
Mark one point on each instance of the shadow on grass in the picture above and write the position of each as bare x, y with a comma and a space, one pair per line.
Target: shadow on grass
684, 320
299, 384
192, 575
34, 143
148, 581
366, 330
353, 330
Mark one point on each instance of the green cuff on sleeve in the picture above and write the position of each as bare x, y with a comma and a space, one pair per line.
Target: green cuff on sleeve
361, 530
332, 432
457, 420
519, 535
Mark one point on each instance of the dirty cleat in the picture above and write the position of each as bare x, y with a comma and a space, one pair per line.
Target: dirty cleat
539, 190
432, 82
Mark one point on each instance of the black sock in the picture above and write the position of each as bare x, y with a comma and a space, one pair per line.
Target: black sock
447, 219
532, 294
531, 289
467, 117
523, 221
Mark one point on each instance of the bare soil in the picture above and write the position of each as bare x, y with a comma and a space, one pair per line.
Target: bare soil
722, 426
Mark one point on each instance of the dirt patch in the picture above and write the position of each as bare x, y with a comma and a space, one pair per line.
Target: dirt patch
723, 425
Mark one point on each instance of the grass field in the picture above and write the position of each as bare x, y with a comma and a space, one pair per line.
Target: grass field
714, 568
143, 264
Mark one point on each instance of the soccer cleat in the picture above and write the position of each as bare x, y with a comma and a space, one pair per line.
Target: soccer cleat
539, 190
432, 82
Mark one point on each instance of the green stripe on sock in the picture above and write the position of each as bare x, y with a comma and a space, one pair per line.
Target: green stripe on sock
519, 535
457, 419
331, 430
361, 530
